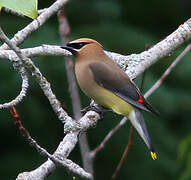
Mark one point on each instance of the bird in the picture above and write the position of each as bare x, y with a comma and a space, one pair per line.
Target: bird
103, 80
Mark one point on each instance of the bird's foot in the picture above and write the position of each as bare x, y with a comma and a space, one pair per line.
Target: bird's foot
97, 108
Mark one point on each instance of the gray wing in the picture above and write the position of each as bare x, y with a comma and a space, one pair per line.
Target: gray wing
113, 78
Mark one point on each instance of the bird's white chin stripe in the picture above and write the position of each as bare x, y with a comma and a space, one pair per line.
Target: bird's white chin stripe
140, 126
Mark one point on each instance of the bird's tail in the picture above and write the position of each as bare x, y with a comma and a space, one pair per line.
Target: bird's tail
137, 120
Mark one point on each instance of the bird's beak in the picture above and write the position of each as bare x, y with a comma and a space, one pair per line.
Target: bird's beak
74, 52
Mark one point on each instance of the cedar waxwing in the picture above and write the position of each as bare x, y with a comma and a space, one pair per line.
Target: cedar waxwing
106, 83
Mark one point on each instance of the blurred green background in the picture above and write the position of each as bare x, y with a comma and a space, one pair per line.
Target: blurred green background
125, 27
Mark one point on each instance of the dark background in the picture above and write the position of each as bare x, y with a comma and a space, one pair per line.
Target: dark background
125, 27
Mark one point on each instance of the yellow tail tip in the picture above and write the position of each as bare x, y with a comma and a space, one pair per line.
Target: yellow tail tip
153, 155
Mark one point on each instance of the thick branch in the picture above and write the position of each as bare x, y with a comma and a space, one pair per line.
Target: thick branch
72, 128
137, 63
56, 158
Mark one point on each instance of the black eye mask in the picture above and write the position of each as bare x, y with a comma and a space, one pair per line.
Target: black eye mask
77, 45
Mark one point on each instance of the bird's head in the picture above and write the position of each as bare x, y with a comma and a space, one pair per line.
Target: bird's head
83, 46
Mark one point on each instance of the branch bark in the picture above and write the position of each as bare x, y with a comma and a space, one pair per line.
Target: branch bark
133, 64
175, 62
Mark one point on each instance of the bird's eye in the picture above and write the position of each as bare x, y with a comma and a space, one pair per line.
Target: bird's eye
77, 45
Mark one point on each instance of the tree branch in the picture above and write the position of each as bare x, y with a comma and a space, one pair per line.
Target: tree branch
133, 64
17, 64
72, 128
107, 137
137, 63
56, 158
167, 72
130, 141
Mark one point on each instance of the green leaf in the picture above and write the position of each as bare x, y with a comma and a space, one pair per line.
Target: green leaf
25, 7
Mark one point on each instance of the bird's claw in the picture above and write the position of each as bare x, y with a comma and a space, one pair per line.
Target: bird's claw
97, 108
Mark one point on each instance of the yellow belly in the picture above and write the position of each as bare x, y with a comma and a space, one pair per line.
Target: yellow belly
109, 100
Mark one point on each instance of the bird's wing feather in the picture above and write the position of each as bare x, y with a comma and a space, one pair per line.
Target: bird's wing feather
115, 80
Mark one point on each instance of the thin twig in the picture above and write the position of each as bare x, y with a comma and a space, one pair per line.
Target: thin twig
108, 136
25, 133
24, 86
130, 141
175, 62
17, 64
74, 168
